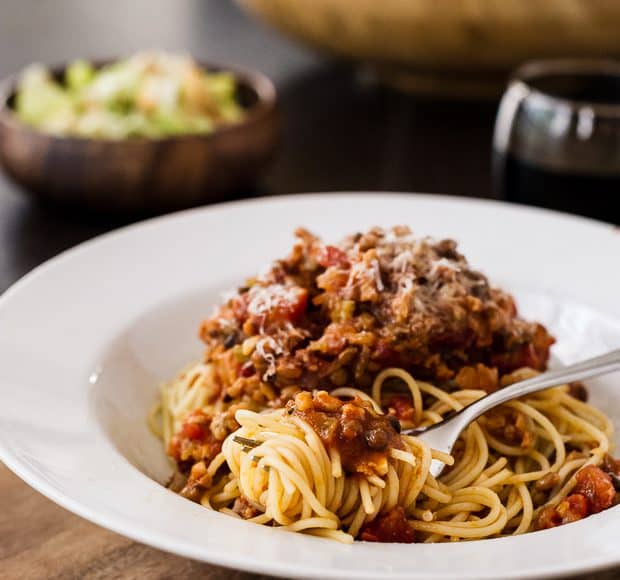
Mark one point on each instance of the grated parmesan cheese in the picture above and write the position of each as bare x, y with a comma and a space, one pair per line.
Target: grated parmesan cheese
263, 299
443, 263
269, 357
402, 261
363, 271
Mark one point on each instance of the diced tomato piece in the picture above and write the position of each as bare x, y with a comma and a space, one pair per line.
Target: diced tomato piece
195, 425
247, 370
275, 303
401, 406
332, 256
385, 353
574, 507
593, 493
192, 431
390, 527
293, 308
194, 441
548, 518
596, 485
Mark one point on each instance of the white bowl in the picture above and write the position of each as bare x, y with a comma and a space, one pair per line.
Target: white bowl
85, 338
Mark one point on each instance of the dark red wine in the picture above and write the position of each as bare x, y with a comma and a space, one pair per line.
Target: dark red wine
596, 196
557, 138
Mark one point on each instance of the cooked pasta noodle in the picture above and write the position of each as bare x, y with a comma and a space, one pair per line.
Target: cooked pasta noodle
294, 418
288, 477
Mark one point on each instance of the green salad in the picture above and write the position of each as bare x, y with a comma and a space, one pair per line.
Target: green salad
147, 95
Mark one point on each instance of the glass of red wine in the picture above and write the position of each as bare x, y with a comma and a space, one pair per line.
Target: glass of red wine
557, 138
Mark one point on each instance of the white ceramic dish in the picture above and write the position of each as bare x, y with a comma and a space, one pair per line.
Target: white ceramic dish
85, 338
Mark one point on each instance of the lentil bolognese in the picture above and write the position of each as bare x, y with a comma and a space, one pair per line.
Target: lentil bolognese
293, 417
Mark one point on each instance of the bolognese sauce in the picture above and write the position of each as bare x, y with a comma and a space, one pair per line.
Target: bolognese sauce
361, 436
242, 424
332, 315
593, 493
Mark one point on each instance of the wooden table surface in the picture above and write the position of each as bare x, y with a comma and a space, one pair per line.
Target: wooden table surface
340, 132
41, 540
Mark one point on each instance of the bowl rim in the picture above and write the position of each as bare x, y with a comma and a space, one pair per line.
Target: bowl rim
529, 72
377, 209
257, 81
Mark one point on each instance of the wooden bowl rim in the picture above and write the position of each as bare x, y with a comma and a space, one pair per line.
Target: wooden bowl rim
255, 80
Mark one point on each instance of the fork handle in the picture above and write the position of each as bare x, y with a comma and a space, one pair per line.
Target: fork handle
592, 367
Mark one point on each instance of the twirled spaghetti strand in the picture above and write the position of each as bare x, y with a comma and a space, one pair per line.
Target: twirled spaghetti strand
292, 480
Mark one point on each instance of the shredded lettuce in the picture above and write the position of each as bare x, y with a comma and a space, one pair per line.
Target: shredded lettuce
151, 95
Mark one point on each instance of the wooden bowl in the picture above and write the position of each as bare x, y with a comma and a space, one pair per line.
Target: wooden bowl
448, 46
141, 175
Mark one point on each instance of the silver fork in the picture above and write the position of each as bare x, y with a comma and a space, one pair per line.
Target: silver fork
442, 436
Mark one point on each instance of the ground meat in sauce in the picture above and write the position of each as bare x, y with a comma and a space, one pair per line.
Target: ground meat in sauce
510, 426
478, 377
596, 486
578, 390
593, 493
328, 316
610, 465
198, 481
361, 436
389, 527
194, 442
571, 509
401, 407
244, 508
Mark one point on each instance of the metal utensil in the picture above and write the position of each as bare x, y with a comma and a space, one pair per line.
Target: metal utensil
442, 436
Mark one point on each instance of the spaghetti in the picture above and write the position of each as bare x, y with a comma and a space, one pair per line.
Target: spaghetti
293, 418
285, 475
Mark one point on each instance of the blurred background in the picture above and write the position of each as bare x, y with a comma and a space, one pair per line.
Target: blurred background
387, 95
341, 130
396, 95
